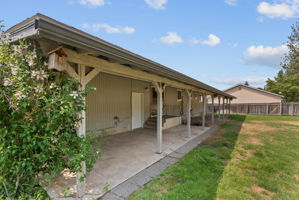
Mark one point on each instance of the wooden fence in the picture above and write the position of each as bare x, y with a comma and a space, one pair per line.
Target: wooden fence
291, 108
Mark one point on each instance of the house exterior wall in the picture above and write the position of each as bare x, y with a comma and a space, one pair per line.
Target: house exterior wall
196, 105
112, 98
248, 95
171, 103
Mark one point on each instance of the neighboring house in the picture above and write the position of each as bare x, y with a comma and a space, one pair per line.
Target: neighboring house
131, 91
247, 94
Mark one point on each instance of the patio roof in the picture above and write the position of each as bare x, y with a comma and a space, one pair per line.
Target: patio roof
42, 27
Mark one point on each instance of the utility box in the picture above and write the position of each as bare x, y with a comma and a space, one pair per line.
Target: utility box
57, 59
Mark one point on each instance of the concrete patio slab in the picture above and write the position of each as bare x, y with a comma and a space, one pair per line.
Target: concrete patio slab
157, 168
124, 156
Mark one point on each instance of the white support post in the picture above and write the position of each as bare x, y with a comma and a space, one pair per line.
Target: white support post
219, 107
226, 109
189, 94
159, 90
204, 101
229, 108
80, 179
223, 107
213, 111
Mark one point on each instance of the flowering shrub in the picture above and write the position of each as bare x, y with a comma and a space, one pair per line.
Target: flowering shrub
38, 117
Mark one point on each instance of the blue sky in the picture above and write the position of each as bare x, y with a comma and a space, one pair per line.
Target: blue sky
219, 42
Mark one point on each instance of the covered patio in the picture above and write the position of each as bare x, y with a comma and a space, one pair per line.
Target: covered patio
132, 92
123, 156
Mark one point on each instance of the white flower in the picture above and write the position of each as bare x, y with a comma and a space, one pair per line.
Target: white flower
17, 48
74, 94
7, 82
20, 95
34, 55
4, 37
34, 73
52, 85
39, 89
14, 70
30, 62
40, 75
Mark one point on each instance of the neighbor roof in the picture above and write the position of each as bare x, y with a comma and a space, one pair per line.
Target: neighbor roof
42, 27
242, 85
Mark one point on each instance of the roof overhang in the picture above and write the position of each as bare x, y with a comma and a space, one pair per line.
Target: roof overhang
43, 27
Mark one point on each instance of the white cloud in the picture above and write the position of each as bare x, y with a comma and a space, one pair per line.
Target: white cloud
93, 3
231, 2
109, 29
280, 9
266, 56
212, 40
156, 4
171, 38
255, 80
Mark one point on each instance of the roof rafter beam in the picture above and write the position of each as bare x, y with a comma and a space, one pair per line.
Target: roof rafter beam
117, 69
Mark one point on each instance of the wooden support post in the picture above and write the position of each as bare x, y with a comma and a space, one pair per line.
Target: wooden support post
292, 109
83, 79
159, 89
80, 179
213, 111
226, 107
204, 111
280, 107
229, 108
189, 94
219, 107
267, 109
223, 107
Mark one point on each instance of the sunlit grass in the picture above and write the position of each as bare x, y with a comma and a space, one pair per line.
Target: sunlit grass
251, 157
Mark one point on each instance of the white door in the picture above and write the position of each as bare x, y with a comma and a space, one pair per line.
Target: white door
137, 110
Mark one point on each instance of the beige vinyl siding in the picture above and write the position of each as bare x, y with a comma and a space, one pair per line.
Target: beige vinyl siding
249, 95
196, 105
113, 98
171, 103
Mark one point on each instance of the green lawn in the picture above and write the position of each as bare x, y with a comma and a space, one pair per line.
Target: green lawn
250, 157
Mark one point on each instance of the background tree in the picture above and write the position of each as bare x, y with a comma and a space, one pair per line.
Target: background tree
286, 82
291, 60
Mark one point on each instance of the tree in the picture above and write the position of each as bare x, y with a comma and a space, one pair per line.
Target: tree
38, 117
291, 60
286, 85
246, 83
286, 82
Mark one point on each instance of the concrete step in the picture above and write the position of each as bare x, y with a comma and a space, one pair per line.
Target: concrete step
151, 123
150, 126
